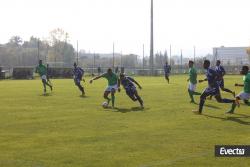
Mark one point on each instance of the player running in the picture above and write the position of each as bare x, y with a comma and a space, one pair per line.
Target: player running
192, 81
221, 72
113, 85
128, 84
245, 94
42, 71
78, 73
167, 70
212, 89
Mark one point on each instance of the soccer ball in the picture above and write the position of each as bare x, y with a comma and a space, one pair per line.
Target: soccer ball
105, 104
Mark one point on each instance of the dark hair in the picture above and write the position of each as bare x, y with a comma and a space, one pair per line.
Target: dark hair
190, 61
75, 64
218, 61
109, 69
245, 68
206, 62
122, 74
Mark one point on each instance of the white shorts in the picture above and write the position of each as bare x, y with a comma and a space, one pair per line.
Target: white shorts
192, 87
109, 88
244, 96
44, 77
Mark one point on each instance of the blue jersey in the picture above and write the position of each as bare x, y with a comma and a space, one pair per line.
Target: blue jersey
78, 72
212, 78
167, 69
220, 71
127, 82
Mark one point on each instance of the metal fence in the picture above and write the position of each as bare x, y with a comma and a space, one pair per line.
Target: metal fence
60, 72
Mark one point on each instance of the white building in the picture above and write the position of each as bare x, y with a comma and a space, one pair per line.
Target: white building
231, 55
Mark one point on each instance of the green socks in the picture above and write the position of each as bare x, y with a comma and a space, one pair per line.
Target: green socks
191, 95
113, 100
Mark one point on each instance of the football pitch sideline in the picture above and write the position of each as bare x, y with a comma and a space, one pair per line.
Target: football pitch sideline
63, 129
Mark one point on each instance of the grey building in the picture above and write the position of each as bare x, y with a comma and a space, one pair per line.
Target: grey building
231, 55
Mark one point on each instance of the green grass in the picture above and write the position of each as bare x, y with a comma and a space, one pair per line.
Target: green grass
63, 129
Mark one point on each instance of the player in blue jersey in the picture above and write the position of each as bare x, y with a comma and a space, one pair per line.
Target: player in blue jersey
213, 89
167, 70
221, 72
78, 77
128, 84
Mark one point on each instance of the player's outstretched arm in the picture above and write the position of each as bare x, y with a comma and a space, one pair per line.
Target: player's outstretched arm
202, 80
119, 83
240, 85
139, 86
95, 78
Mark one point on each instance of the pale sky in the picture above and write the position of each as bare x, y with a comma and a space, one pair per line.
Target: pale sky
96, 24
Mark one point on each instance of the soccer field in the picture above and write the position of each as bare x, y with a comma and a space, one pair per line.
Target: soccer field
64, 129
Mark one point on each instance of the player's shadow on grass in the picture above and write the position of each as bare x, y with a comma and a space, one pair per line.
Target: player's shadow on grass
46, 94
133, 109
236, 119
211, 106
81, 96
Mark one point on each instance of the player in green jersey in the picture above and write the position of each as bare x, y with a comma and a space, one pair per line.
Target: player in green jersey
113, 85
42, 71
245, 94
192, 81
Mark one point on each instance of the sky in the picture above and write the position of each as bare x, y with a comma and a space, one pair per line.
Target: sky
97, 24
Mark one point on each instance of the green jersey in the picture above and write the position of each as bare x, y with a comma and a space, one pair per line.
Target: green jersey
112, 79
41, 70
193, 75
246, 80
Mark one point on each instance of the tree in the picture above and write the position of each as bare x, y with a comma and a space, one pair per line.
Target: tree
62, 51
15, 41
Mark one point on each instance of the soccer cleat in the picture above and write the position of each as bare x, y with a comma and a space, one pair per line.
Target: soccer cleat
237, 103
51, 88
108, 101
210, 97
230, 112
196, 112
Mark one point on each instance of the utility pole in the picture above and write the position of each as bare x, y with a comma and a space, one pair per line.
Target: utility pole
143, 61
38, 49
121, 59
152, 38
181, 60
170, 52
194, 54
113, 63
77, 52
93, 69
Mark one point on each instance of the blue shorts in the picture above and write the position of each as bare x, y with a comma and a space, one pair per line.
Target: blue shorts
167, 74
221, 83
77, 81
212, 91
130, 91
